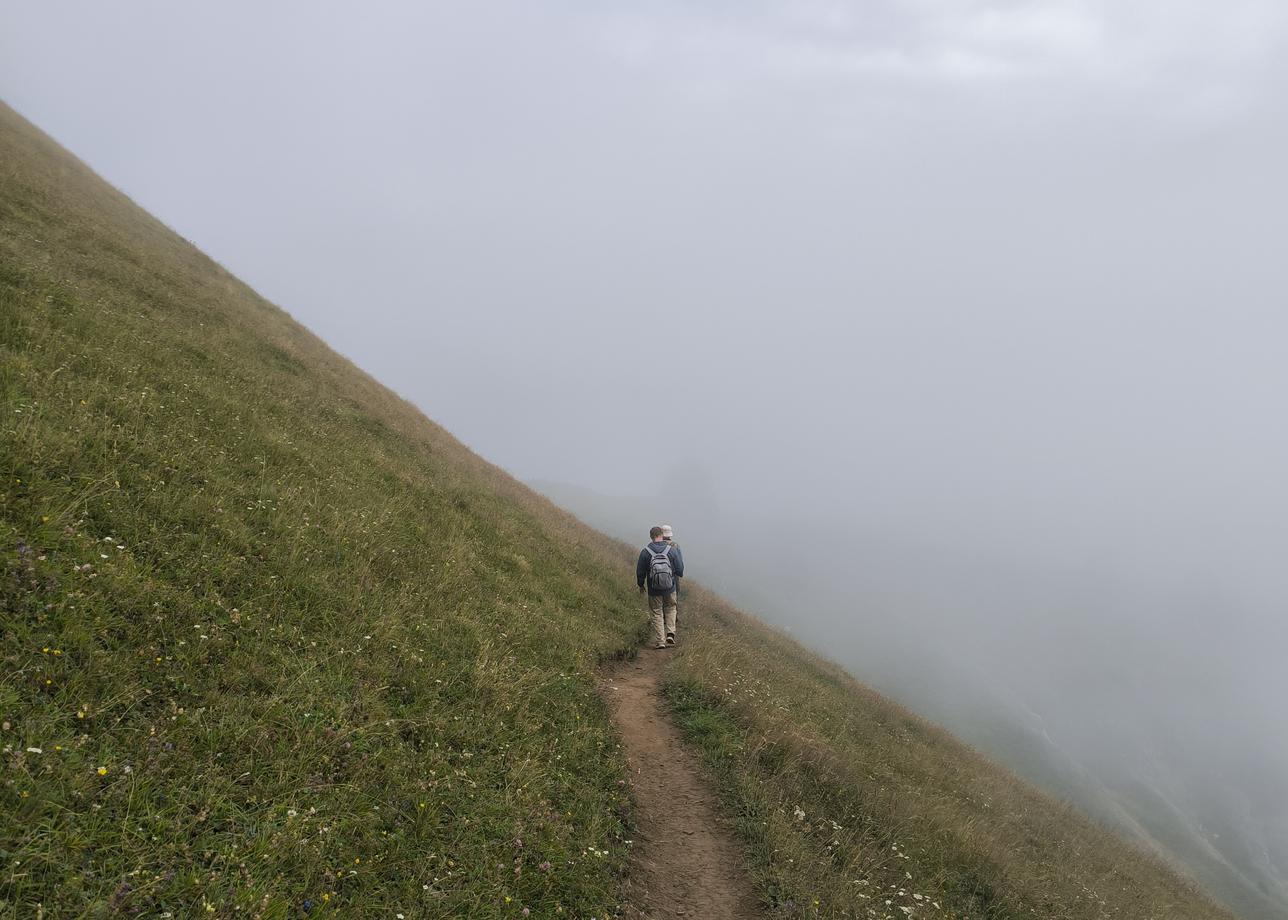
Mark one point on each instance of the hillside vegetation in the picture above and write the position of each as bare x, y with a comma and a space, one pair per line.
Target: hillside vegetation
274, 644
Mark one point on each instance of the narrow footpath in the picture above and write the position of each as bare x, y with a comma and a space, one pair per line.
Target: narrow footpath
685, 863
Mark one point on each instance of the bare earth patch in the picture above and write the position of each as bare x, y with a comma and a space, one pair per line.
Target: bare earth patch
685, 862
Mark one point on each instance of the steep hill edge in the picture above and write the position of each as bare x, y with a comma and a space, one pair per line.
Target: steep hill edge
276, 643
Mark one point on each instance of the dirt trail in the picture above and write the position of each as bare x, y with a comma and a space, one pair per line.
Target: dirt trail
685, 862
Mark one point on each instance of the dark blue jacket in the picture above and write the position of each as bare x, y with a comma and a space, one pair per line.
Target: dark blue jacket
646, 558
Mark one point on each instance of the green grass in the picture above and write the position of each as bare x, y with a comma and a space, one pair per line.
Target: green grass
273, 643
278, 639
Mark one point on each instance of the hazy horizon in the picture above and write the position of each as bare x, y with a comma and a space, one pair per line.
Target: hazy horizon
977, 308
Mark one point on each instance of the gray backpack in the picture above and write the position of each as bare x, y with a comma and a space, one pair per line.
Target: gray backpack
660, 575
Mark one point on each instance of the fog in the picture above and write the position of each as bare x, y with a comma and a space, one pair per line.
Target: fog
949, 336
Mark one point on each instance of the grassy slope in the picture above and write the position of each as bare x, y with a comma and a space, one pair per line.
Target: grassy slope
282, 642
315, 656
893, 812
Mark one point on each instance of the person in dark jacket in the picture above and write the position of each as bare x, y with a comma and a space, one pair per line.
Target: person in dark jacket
656, 571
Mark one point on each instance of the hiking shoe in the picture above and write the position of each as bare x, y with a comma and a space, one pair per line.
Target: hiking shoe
670, 638
660, 645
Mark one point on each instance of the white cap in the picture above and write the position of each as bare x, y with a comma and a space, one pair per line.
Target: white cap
666, 532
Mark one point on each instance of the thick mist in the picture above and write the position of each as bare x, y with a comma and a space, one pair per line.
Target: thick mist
948, 336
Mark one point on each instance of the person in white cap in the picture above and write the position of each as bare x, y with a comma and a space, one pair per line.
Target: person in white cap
669, 537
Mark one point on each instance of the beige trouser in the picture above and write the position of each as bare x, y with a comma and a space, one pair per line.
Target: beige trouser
663, 607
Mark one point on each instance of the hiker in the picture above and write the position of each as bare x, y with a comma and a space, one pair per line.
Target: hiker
669, 537
658, 567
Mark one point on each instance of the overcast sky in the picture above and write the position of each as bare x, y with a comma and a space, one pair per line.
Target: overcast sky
999, 282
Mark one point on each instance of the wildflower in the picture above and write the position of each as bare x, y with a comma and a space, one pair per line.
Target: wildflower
102, 771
